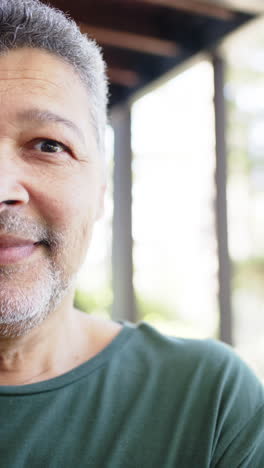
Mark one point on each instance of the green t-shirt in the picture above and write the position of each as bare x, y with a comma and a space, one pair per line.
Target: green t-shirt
145, 401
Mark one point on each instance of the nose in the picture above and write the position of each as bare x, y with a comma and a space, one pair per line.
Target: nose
12, 190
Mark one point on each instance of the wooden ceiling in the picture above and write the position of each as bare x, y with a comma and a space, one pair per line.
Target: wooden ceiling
143, 39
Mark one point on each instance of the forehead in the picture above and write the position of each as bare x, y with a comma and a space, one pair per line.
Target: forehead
30, 77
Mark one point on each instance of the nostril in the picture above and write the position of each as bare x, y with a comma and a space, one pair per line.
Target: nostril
10, 202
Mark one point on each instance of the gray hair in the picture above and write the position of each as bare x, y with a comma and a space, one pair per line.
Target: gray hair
30, 23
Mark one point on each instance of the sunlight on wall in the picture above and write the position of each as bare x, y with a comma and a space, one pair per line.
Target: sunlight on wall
173, 222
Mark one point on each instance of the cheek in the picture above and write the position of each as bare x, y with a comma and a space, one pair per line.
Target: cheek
65, 201
68, 206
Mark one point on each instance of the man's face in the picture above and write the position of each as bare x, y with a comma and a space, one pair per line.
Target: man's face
51, 185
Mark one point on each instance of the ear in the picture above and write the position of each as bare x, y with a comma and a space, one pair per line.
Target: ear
100, 206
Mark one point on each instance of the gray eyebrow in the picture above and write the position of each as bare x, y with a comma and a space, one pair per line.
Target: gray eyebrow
39, 115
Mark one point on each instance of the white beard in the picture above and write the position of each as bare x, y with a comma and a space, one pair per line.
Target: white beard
25, 305
30, 291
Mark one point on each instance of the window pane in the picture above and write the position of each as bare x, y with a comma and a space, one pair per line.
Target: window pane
173, 190
245, 100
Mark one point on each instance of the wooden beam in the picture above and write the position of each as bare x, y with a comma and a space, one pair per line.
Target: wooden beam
127, 40
124, 304
194, 6
224, 265
123, 77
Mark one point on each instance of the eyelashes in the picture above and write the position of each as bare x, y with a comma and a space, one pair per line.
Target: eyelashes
47, 145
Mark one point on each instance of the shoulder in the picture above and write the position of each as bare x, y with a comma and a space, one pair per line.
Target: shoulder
194, 352
208, 381
208, 366
207, 350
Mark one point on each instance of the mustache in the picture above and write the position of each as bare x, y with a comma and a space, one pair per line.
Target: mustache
22, 226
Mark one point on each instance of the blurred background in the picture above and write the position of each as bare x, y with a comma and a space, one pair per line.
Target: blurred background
181, 243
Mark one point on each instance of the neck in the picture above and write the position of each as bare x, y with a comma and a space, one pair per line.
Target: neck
66, 339
43, 351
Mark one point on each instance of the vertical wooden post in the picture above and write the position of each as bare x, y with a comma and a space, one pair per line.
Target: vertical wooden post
221, 203
122, 261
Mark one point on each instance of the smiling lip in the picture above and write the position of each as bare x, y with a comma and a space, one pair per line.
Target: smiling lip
13, 249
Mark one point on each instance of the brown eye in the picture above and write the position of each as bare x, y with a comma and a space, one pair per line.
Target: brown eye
50, 146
